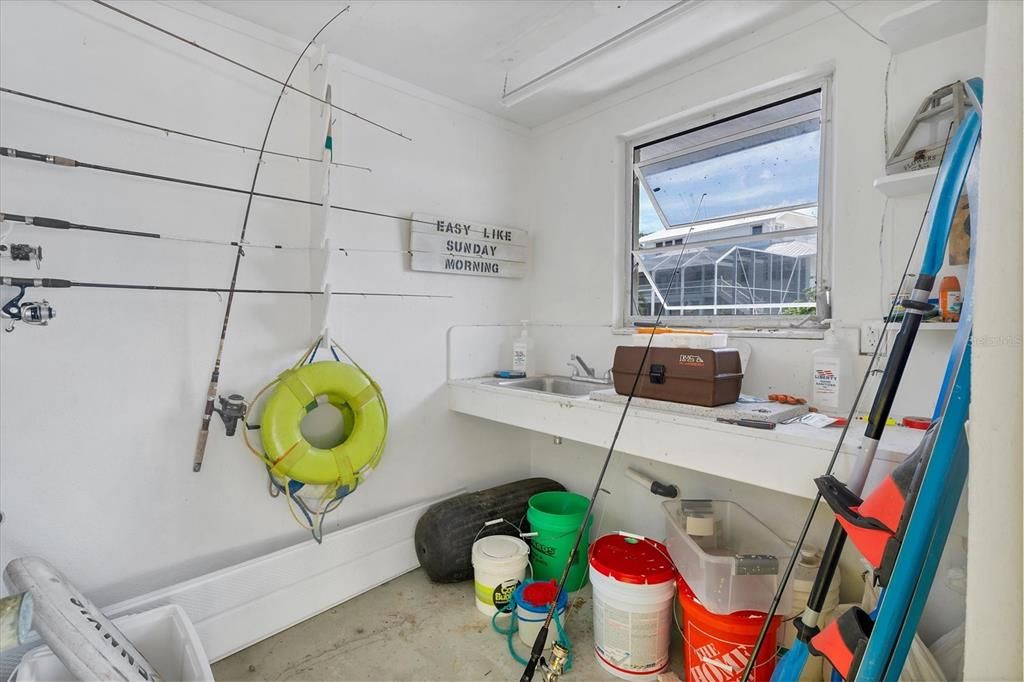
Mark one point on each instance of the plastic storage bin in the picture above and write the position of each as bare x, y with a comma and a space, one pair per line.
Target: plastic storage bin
730, 560
164, 635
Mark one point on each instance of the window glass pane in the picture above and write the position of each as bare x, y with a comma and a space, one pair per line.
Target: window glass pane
771, 170
730, 126
734, 280
649, 220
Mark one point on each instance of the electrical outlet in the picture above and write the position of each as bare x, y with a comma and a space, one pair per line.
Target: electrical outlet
870, 335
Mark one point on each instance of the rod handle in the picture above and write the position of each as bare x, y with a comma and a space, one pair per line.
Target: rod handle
48, 222
656, 487
33, 156
38, 221
46, 282
197, 461
204, 427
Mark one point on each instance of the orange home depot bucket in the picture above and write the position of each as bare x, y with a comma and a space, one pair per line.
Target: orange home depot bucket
717, 647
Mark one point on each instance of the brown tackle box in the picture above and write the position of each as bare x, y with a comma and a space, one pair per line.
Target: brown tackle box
695, 376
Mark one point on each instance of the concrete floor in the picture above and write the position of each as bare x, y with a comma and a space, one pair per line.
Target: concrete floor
407, 629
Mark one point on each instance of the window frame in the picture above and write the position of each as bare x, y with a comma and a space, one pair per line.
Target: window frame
735, 106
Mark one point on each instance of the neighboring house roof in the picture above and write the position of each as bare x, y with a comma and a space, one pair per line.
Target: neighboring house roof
794, 249
771, 220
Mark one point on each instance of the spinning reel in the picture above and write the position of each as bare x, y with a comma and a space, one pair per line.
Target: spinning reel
232, 409
553, 669
38, 313
13, 290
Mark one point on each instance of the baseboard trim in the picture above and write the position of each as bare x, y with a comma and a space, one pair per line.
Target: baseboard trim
243, 604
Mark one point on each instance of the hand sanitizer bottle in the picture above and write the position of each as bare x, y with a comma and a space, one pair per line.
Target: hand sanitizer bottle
522, 349
832, 386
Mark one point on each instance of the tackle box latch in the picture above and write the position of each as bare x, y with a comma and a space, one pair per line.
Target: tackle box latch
657, 374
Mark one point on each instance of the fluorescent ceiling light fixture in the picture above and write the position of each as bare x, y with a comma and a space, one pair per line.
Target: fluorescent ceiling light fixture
532, 87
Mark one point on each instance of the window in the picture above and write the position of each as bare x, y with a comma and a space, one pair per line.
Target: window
726, 219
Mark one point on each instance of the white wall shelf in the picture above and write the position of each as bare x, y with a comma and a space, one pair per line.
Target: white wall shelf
926, 22
786, 459
907, 184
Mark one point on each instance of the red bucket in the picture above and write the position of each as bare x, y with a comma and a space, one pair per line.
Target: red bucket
717, 647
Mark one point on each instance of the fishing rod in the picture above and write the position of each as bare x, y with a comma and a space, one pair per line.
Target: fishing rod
938, 217
835, 543
285, 84
67, 162
55, 223
41, 312
211, 395
542, 635
54, 283
172, 131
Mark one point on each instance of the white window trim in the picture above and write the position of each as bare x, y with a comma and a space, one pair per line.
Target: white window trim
824, 263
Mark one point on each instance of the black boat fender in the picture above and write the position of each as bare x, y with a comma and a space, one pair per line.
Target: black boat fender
446, 531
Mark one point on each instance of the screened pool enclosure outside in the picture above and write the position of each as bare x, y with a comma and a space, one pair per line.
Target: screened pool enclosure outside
734, 202
764, 277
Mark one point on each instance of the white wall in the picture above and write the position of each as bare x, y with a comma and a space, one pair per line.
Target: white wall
578, 220
994, 580
101, 408
461, 163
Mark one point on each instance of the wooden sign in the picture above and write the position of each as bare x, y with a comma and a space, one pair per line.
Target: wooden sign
464, 247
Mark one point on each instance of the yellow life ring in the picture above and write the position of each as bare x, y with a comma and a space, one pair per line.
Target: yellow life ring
348, 388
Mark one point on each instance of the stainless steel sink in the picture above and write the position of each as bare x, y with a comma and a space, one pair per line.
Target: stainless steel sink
563, 386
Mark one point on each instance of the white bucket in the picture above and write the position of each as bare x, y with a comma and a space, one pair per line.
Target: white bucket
531, 619
632, 621
499, 565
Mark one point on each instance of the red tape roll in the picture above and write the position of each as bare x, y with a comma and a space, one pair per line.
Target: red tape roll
917, 422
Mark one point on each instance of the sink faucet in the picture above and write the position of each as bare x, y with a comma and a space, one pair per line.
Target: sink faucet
577, 363
583, 365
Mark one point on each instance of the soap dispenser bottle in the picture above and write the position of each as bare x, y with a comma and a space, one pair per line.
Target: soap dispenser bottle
522, 351
831, 382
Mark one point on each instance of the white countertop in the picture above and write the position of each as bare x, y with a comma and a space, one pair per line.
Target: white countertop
786, 459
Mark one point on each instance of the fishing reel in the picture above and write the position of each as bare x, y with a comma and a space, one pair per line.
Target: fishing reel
232, 409
38, 313
25, 253
554, 668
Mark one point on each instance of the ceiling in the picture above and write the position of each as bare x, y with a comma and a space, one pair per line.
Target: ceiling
474, 51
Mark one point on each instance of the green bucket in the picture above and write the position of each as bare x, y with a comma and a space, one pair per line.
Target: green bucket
556, 517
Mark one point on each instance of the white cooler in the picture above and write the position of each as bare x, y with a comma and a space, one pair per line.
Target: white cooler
164, 635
